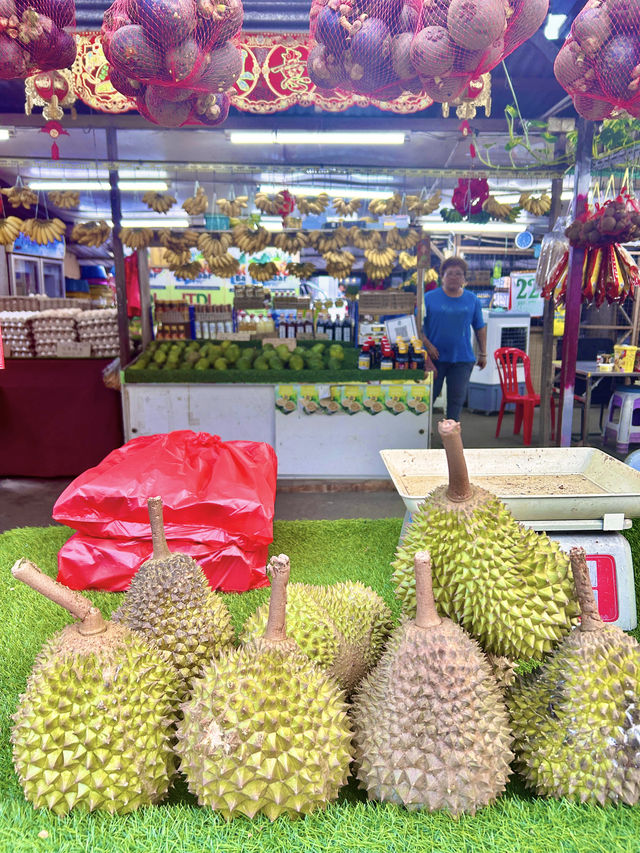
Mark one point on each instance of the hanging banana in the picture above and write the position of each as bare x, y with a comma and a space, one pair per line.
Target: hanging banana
91, 233
160, 202
136, 238
233, 208
67, 200
197, 204
44, 231
10, 228
536, 206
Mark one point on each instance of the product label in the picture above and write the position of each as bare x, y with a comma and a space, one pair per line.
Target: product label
286, 398
374, 399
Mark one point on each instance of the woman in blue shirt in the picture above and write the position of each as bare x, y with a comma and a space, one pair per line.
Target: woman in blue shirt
450, 312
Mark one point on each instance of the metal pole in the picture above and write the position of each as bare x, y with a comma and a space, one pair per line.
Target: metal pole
423, 253
573, 302
145, 295
118, 253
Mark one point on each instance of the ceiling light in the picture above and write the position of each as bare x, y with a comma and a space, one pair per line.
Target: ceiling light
163, 222
475, 228
303, 137
5, 133
100, 186
334, 192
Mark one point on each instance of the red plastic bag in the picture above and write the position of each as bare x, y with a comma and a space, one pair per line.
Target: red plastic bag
86, 562
213, 491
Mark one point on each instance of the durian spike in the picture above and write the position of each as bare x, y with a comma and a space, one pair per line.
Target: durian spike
279, 568
426, 613
160, 548
459, 487
590, 617
91, 621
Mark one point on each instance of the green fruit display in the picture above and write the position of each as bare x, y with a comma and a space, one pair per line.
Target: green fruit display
576, 720
296, 363
431, 726
510, 587
266, 730
171, 605
342, 627
283, 352
159, 356
261, 363
203, 364
221, 364
94, 727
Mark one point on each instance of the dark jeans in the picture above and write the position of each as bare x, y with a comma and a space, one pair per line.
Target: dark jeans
457, 374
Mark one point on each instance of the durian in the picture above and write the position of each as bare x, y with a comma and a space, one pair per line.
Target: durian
171, 605
265, 730
431, 726
576, 720
342, 627
94, 727
508, 586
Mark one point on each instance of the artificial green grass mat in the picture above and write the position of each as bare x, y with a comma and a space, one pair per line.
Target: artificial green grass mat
320, 552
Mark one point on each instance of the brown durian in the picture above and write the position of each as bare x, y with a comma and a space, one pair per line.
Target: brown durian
171, 604
431, 726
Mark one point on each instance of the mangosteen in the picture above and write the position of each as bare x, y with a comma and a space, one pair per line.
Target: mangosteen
527, 18
13, 59
591, 29
409, 19
62, 52
38, 36
159, 110
184, 60
444, 89
570, 66
476, 24
592, 108
434, 13
213, 28
371, 45
329, 31
212, 110
127, 86
325, 69
477, 62
222, 71
171, 93
432, 52
376, 78
616, 62
132, 54
166, 22
401, 56
7, 8
624, 14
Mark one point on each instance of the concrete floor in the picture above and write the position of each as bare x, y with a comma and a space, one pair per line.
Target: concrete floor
28, 502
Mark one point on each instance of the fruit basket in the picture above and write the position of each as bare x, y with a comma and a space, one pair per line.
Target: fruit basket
386, 302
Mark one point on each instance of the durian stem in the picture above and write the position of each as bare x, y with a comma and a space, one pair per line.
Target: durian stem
160, 548
426, 615
279, 568
459, 486
79, 606
590, 617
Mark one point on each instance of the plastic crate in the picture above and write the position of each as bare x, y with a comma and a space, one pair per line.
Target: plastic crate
216, 222
487, 398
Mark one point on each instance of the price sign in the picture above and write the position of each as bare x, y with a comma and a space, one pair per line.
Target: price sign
423, 253
526, 296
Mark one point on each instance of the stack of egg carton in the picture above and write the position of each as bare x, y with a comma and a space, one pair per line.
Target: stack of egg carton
100, 329
54, 326
16, 332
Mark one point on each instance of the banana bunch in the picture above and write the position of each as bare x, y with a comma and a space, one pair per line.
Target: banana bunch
160, 202
345, 208
381, 258
176, 259
178, 241
233, 207
136, 238
214, 247
197, 204
66, 200
291, 243
339, 264
43, 231
399, 241
364, 239
418, 206
499, 210
250, 240
407, 261
266, 203
329, 241
375, 272
20, 196
223, 266
189, 271
537, 206
91, 233
301, 271
263, 272
10, 228
312, 205
386, 206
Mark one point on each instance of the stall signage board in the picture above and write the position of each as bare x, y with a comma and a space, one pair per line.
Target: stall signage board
526, 296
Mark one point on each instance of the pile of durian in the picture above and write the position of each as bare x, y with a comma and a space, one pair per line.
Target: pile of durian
428, 714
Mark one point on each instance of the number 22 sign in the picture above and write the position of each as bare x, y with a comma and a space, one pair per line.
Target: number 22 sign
526, 296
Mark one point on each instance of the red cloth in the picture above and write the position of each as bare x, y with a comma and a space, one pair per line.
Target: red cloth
134, 304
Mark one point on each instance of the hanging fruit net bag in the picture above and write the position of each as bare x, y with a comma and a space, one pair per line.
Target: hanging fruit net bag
36, 36
599, 63
175, 57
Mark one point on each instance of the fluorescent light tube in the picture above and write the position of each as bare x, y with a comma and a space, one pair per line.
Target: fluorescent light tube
100, 186
334, 192
475, 228
5, 134
155, 223
302, 137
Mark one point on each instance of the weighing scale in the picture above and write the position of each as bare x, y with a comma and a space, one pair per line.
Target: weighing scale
579, 495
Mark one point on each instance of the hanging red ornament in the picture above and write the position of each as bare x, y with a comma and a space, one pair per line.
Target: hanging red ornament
54, 129
469, 196
287, 204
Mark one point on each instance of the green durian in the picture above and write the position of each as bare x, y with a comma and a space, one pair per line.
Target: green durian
508, 586
431, 725
342, 627
94, 728
576, 720
265, 730
171, 605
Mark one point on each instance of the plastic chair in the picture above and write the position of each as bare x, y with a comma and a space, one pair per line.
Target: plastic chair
508, 359
623, 419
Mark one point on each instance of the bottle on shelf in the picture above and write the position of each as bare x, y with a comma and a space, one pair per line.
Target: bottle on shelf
346, 330
365, 356
401, 354
387, 360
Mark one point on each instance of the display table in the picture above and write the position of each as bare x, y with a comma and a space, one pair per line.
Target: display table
56, 417
318, 430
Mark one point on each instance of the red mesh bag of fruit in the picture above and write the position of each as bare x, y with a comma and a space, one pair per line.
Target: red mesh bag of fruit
599, 63
175, 57
615, 221
36, 35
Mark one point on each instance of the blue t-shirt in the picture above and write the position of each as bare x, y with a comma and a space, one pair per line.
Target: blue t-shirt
448, 321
